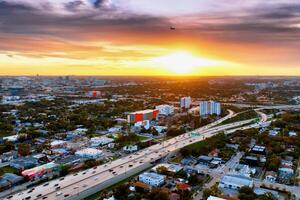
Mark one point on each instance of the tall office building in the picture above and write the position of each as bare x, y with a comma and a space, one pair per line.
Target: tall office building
209, 108
185, 102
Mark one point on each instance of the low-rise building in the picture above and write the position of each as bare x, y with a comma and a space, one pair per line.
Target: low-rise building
69, 161
165, 109
292, 134
58, 143
143, 124
188, 161
204, 160
262, 191
232, 146
235, 181
259, 150
285, 172
89, 153
100, 141
12, 138
130, 148
214, 198
270, 176
170, 167
115, 129
142, 115
273, 132
244, 170
39, 171
160, 129
24, 163
13, 179
152, 179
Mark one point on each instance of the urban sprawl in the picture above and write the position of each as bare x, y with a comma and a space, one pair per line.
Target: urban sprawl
119, 138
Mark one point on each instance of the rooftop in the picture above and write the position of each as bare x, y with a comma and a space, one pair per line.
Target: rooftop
153, 175
237, 179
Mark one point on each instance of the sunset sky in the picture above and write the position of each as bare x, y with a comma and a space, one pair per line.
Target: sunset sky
133, 37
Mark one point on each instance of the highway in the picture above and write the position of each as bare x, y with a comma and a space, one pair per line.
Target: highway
73, 185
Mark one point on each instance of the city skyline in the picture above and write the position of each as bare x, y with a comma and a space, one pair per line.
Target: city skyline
118, 37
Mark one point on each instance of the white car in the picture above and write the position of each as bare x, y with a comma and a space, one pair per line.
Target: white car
58, 193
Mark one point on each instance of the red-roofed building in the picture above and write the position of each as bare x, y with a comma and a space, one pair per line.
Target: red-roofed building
183, 186
143, 115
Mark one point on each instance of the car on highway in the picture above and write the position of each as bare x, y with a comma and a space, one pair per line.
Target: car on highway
39, 195
58, 193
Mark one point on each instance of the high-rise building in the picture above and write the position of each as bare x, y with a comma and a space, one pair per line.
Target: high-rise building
204, 108
209, 108
215, 108
185, 102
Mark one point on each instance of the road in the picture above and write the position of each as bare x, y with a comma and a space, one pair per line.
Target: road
263, 116
73, 185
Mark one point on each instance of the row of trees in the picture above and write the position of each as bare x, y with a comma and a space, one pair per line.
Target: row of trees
205, 146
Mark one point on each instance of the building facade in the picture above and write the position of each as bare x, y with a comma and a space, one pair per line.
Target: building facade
209, 108
165, 109
185, 102
89, 153
152, 179
235, 181
143, 115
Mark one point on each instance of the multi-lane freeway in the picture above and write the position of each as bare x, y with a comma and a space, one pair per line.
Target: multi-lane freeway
80, 185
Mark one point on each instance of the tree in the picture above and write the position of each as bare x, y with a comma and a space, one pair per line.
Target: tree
185, 194
24, 149
181, 174
214, 191
64, 170
267, 196
194, 180
91, 163
246, 193
158, 194
162, 170
174, 131
206, 193
121, 192
274, 163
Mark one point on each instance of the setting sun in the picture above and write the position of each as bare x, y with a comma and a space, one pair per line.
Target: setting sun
184, 62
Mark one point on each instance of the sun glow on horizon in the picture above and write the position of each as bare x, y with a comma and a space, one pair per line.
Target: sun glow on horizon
182, 62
